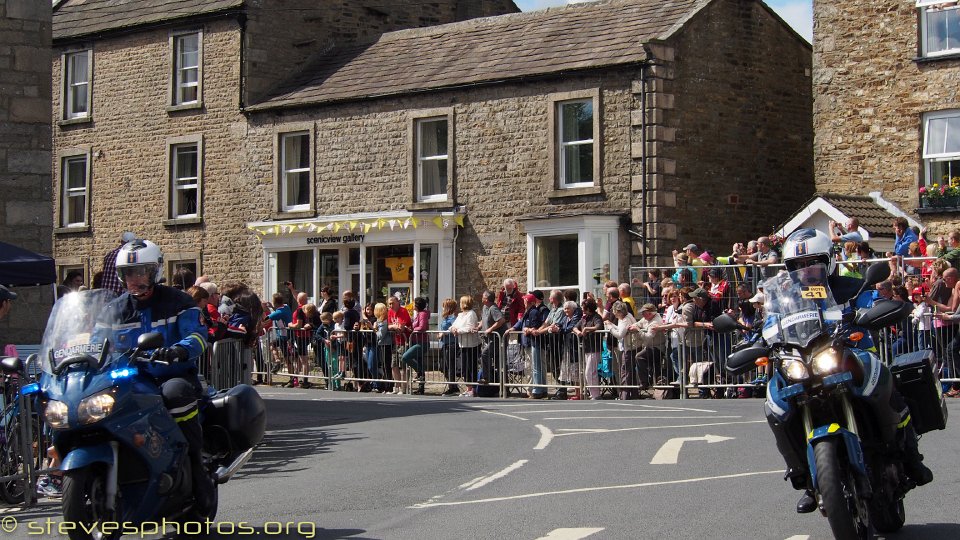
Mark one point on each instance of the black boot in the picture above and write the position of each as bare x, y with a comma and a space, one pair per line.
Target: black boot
807, 502
204, 490
561, 394
912, 458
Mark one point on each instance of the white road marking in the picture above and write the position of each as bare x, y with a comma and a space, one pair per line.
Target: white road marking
571, 534
484, 480
659, 407
572, 431
545, 437
503, 414
670, 451
799, 537
593, 489
633, 417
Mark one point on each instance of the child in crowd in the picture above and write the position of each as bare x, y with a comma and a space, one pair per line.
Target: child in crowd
337, 339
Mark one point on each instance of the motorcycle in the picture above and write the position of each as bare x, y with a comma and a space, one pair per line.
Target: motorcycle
828, 396
125, 461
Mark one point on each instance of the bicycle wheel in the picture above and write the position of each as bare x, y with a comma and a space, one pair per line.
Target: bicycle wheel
11, 462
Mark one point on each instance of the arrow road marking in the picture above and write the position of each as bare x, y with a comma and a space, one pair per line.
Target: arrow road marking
484, 480
670, 451
571, 534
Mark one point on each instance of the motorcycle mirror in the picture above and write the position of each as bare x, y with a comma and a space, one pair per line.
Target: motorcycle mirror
875, 273
725, 323
745, 360
150, 340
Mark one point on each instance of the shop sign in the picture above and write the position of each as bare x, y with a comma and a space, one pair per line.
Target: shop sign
343, 239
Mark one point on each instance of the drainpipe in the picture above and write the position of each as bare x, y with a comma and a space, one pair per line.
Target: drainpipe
644, 85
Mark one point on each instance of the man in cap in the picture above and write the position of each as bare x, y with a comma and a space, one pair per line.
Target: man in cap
6, 301
530, 324
649, 357
111, 281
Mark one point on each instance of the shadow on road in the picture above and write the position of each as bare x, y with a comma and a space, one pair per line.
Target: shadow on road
301, 428
924, 531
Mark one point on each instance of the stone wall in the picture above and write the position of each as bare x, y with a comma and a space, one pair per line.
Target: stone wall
501, 154
127, 139
282, 37
871, 93
730, 150
25, 153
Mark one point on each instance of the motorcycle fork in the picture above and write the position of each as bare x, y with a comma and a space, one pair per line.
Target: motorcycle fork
112, 477
848, 416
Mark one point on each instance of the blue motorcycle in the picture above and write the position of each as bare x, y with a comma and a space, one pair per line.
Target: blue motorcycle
830, 399
125, 460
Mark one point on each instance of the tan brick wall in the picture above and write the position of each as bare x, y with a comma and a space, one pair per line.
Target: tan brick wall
870, 98
742, 143
25, 153
128, 141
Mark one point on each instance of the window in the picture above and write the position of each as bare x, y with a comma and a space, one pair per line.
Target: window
295, 181
572, 253
186, 69
432, 160
75, 186
556, 261
185, 180
77, 72
575, 139
941, 147
939, 28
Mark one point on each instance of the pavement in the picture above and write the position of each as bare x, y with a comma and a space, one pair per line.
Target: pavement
343, 465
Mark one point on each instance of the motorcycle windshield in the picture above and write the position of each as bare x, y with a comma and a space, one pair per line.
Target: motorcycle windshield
71, 327
799, 306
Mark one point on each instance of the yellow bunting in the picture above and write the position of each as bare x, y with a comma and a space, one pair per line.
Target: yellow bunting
459, 220
414, 222
353, 225
336, 226
438, 221
366, 227
276, 229
381, 223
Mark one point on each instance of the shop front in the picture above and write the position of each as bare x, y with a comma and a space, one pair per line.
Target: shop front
376, 256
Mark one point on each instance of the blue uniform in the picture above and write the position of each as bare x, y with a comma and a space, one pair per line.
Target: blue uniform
169, 311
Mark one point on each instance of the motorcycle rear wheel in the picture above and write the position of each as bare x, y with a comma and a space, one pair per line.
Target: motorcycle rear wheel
838, 494
84, 502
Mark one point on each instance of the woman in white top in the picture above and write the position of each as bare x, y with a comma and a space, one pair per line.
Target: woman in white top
629, 343
465, 328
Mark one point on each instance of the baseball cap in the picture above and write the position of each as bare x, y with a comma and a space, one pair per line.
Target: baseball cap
758, 298
529, 298
7, 294
699, 293
539, 294
692, 247
648, 307
211, 288
127, 237
716, 272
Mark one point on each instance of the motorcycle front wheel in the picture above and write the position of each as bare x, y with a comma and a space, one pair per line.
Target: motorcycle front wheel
11, 463
838, 493
84, 503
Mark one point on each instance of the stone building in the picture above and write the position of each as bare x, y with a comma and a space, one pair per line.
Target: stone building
25, 153
557, 147
887, 110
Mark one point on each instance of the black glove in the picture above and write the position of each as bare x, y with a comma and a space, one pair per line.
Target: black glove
172, 354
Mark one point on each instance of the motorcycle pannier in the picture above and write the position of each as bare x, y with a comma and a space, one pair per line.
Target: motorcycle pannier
241, 411
920, 387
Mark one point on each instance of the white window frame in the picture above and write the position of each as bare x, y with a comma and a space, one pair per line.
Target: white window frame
562, 145
70, 82
926, 7
586, 228
931, 155
177, 83
67, 193
421, 159
175, 186
286, 173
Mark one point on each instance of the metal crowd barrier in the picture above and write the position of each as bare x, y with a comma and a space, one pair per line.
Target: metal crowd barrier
228, 363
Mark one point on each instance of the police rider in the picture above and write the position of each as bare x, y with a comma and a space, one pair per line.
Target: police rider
808, 253
147, 306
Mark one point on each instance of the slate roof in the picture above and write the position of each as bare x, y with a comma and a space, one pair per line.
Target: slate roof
572, 37
74, 18
873, 217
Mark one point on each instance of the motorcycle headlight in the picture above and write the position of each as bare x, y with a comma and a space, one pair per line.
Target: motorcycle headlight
95, 408
795, 370
825, 362
56, 414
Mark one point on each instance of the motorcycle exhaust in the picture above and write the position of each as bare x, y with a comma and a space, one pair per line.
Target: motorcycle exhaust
224, 473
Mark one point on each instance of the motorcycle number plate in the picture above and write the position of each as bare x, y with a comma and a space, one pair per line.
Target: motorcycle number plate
816, 292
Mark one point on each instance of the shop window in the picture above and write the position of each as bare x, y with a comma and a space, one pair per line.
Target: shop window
572, 253
555, 261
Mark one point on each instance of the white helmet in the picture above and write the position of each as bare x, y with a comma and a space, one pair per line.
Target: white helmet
140, 255
805, 246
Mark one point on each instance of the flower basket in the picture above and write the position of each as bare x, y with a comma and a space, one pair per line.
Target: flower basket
937, 196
